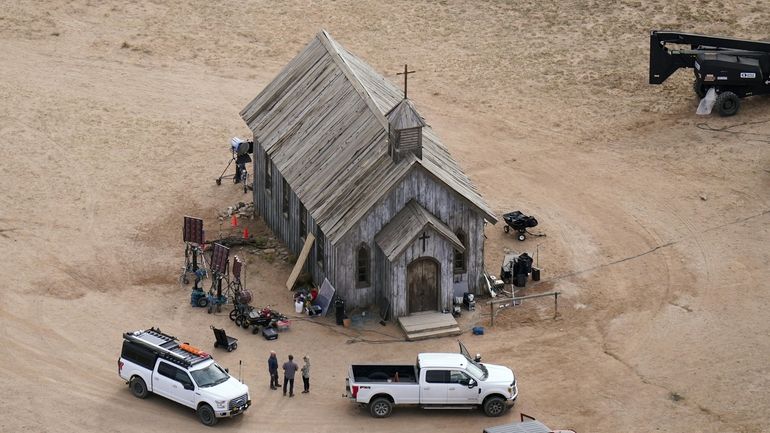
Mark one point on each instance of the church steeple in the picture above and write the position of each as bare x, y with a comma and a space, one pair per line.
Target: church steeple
404, 130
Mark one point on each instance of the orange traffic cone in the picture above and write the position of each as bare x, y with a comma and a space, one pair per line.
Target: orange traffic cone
234, 221
245, 233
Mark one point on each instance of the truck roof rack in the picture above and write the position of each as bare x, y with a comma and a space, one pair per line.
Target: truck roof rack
166, 346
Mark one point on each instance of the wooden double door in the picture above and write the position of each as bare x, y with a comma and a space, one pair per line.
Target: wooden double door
422, 281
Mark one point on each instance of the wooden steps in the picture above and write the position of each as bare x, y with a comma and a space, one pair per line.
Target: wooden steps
429, 324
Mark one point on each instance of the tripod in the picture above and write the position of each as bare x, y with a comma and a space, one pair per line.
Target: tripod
192, 252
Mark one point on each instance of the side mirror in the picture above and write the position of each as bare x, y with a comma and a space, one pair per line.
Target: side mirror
188, 386
471, 383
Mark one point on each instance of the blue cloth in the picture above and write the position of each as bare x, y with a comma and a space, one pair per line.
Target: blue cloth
272, 364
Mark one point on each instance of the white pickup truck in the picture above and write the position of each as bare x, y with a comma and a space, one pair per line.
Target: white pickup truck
437, 381
153, 362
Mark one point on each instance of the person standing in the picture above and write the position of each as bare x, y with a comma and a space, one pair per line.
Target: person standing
306, 374
272, 367
289, 369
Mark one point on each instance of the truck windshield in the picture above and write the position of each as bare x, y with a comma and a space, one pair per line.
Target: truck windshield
210, 376
477, 370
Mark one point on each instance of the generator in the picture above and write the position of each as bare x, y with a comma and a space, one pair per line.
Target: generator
734, 68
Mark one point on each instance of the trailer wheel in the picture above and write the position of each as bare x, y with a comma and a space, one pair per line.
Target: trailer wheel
699, 89
380, 407
494, 406
206, 415
138, 387
728, 103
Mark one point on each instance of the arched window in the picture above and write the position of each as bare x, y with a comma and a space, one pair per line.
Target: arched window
459, 256
363, 266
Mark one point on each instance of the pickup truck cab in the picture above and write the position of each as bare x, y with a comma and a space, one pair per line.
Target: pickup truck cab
153, 362
437, 381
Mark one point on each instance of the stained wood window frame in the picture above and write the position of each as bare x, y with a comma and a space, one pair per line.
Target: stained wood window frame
460, 256
366, 268
268, 175
285, 199
320, 247
302, 221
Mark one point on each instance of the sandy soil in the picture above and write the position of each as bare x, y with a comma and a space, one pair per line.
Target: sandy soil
115, 120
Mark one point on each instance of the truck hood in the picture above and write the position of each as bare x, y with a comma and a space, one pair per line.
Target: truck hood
499, 374
227, 390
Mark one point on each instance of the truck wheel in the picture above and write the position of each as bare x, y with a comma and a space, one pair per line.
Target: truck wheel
206, 415
728, 103
494, 406
138, 387
699, 89
380, 407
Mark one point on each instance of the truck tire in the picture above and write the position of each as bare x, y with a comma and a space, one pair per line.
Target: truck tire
206, 415
727, 103
138, 387
494, 406
380, 407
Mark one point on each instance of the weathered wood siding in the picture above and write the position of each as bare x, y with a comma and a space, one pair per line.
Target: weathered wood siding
438, 248
269, 204
448, 206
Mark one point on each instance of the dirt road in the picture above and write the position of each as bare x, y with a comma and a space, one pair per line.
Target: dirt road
116, 119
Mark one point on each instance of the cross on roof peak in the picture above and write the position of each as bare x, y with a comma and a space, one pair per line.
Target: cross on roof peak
406, 76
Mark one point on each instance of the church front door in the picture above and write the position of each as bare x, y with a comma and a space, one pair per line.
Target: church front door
422, 277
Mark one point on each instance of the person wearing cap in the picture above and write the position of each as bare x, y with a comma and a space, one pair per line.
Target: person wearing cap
272, 368
306, 374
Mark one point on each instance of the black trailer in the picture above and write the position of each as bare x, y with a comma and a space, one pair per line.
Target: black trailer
519, 222
735, 68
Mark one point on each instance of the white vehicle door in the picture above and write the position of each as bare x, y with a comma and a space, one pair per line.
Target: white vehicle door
433, 389
458, 391
171, 382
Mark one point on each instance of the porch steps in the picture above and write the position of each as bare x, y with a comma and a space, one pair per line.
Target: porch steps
428, 324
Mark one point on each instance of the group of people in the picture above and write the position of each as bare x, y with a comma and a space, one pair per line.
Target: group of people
289, 370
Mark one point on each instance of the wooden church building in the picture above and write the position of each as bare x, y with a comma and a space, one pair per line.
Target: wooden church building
342, 154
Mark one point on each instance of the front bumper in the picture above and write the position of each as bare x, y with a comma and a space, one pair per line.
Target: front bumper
514, 395
232, 412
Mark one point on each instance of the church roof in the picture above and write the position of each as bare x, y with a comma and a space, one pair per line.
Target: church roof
406, 226
322, 122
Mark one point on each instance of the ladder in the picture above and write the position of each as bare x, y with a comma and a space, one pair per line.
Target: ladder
165, 346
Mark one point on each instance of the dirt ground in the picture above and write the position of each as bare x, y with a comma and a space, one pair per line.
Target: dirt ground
115, 120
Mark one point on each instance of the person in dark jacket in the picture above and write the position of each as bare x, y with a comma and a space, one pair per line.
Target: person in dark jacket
289, 369
272, 368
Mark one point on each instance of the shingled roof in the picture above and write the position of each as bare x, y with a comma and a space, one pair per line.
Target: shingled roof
322, 122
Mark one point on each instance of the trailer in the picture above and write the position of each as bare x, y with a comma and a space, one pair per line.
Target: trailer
734, 68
